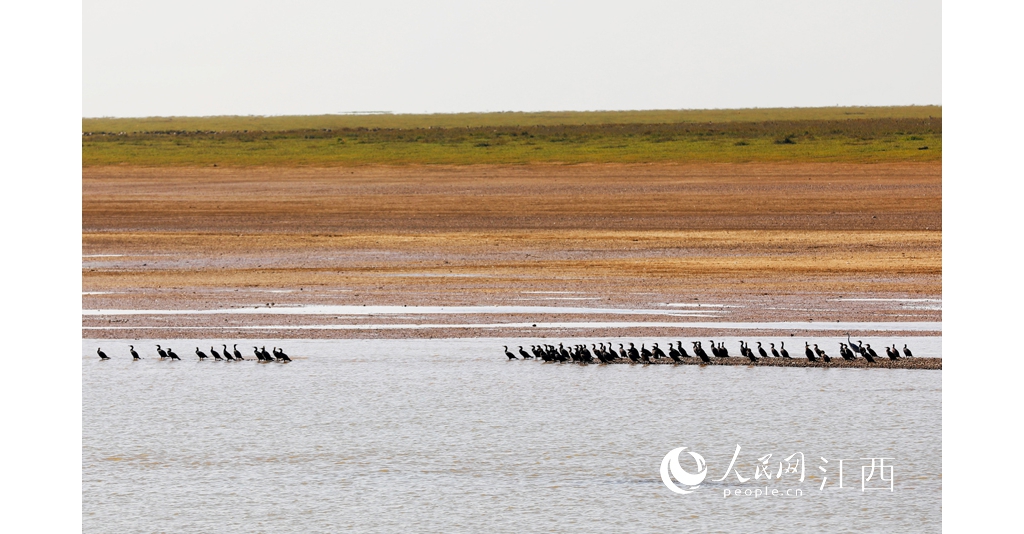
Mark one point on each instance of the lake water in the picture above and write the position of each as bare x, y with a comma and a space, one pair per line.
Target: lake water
445, 435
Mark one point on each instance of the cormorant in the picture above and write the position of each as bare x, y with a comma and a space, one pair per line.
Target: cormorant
266, 355
216, 355
645, 355
774, 352
509, 354
202, 355
173, 356
524, 354
699, 351
907, 352
281, 356
892, 353
227, 354
135, 355
723, 350
161, 352
658, 353
809, 352
715, 350
238, 355
870, 351
103, 355
822, 354
633, 353
761, 351
673, 353
256, 351
782, 349
682, 351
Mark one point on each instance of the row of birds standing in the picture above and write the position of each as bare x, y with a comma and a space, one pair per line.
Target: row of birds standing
231, 356
602, 354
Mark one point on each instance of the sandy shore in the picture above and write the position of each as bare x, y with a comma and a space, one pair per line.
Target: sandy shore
748, 243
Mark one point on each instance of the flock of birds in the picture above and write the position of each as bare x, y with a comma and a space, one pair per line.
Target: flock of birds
601, 354
262, 355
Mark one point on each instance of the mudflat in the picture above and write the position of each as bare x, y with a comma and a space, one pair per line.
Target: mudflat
763, 242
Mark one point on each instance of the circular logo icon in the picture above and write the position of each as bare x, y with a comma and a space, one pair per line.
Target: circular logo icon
689, 481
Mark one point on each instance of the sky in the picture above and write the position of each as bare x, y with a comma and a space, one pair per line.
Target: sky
259, 57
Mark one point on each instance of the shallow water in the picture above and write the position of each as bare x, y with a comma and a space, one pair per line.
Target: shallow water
443, 435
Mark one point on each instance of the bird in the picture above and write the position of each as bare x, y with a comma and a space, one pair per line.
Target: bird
135, 355
845, 352
524, 354
161, 352
280, 355
809, 352
699, 351
103, 355
682, 351
775, 353
658, 353
256, 351
266, 355
870, 350
202, 355
782, 349
821, 354
858, 348
745, 351
867, 356
715, 350
238, 355
173, 356
892, 353
761, 351
723, 350
216, 355
645, 354
673, 353
633, 353
226, 353
907, 352
509, 354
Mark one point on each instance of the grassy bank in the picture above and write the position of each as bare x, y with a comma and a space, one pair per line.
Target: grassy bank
854, 135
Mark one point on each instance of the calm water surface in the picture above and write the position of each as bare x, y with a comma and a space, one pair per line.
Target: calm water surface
443, 435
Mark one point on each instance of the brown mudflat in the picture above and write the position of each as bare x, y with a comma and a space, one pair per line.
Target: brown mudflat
785, 242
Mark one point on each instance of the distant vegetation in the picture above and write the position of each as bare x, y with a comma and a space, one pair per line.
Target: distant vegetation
752, 135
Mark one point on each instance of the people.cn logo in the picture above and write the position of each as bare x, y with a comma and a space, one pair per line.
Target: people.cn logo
689, 481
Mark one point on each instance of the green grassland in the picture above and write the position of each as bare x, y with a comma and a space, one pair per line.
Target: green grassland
856, 135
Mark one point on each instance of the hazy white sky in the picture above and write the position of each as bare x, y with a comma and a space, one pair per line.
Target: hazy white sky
310, 57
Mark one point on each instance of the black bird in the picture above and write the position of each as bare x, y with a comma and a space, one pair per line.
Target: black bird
782, 349
509, 354
682, 351
524, 354
673, 353
700, 352
907, 352
266, 355
658, 353
870, 351
722, 350
809, 352
280, 355
645, 355
715, 350
202, 355
238, 355
821, 354
867, 356
103, 355
775, 353
625, 355
761, 351
161, 352
845, 352
216, 355
227, 354
892, 353
135, 355
173, 356
256, 351
745, 350
633, 353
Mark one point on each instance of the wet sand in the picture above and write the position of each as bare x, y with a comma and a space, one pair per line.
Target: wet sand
789, 242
